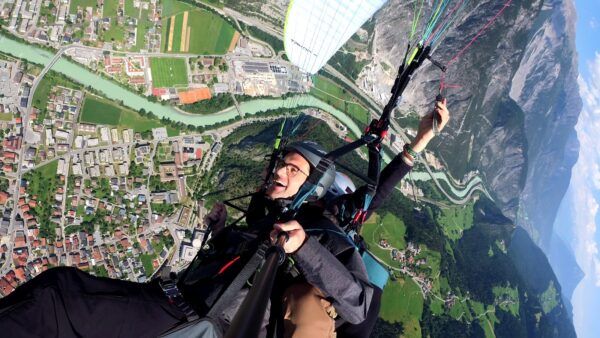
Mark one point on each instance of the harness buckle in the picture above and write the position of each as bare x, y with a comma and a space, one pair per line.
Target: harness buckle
170, 289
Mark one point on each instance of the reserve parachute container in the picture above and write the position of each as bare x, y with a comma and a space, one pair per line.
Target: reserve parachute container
315, 29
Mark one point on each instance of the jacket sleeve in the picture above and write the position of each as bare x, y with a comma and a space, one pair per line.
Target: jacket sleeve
390, 176
345, 206
346, 283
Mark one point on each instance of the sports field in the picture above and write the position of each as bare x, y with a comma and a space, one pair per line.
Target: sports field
102, 111
187, 29
168, 72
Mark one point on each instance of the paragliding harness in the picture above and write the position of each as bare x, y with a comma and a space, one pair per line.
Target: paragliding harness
249, 317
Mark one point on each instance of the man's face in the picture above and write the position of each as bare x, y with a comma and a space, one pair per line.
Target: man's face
290, 174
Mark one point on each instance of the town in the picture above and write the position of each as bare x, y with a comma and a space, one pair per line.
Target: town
90, 183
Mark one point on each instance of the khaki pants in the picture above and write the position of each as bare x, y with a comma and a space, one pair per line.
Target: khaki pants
307, 313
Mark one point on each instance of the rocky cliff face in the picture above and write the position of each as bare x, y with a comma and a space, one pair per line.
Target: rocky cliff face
515, 110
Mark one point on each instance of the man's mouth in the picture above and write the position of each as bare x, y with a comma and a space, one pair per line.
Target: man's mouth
279, 184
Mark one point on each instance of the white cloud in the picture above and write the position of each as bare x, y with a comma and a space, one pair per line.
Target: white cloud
591, 247
585, 186
597, 272
594, 23
590, 88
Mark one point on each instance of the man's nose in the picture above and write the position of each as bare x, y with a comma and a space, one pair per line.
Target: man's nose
281, 172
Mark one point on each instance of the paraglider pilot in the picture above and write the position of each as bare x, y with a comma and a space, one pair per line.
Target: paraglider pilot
326, 286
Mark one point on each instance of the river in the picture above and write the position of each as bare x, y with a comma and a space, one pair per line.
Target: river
135, 101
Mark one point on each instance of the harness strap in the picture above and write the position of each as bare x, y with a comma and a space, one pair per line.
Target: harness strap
172, 292
236, 285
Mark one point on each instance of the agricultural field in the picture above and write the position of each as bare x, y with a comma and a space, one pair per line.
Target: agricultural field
403, 302
102, 111
168, 72
327, 91
189, 29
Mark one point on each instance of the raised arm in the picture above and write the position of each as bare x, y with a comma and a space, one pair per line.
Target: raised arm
404, 161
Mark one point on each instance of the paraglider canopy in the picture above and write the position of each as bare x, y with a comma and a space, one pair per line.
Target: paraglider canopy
315, 29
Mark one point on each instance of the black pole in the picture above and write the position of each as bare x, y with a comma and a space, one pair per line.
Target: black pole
249, 317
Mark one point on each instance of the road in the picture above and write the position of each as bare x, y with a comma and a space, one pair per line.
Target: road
17, 194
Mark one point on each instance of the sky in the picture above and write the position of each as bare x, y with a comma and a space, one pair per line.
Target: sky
584, 189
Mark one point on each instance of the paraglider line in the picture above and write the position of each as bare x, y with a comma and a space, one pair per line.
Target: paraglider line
489, 23
416, 20
440, 33
445, 22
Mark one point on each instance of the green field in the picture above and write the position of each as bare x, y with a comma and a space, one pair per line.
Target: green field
110, 9
144, 24
393, 230
460, 311
133, 120
507, 299
550, 298
115, 33
81, 3
172, 7
43, 182
339, 98
433, 258
371, 233
177, 32
147, 263
403, 302
48, 171
102, 111
168, 72
455, 220
6, 117
210, 34
130, 10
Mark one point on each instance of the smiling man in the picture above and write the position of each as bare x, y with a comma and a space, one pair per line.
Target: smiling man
325, 284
